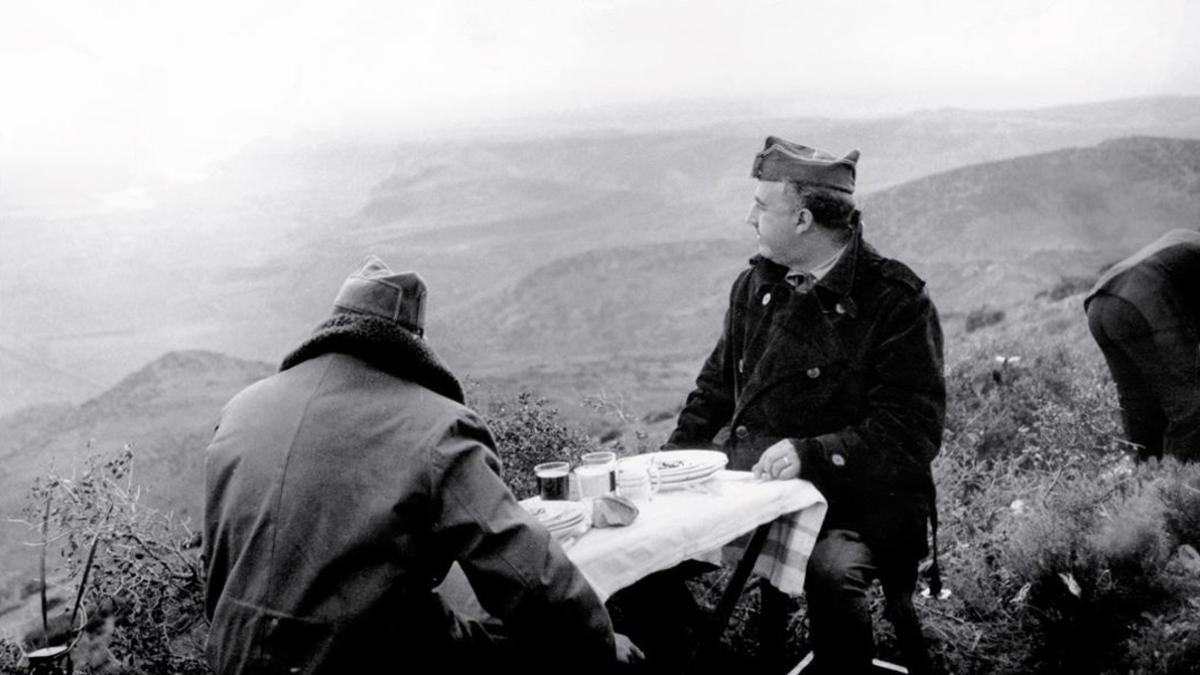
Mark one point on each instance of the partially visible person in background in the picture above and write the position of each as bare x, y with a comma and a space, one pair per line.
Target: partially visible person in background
340, 490
1144, 313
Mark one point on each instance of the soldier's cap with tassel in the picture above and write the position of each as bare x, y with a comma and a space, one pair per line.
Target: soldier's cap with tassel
377, 290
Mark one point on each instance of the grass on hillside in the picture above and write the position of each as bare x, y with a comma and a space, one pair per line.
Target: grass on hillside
1061, 554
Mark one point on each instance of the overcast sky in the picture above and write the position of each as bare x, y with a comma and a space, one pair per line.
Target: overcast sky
163, 85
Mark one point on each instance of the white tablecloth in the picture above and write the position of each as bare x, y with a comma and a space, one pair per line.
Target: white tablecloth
711, 522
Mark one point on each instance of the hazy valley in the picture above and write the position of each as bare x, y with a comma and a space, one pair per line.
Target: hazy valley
245, 260
587, 264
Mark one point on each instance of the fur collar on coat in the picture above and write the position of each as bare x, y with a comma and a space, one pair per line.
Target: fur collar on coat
383, 344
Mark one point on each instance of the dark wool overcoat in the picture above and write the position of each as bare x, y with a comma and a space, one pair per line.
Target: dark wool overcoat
851, 371
339, 492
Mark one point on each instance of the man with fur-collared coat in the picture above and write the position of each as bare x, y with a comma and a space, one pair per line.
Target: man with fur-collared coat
340, 490
829, 368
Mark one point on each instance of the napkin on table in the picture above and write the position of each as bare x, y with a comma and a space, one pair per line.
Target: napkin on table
613, 511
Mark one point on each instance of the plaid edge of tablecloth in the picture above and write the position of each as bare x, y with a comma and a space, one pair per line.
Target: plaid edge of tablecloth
784, 557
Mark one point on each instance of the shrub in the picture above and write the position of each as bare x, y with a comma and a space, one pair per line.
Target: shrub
528, 432
1095, 558
1180, 492
1166, 643
145, 590
10, 658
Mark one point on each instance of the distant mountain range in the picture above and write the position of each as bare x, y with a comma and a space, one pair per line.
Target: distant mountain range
992, 234
246, 260
997, 233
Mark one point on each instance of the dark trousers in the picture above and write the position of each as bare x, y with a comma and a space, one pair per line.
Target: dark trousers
840, 571
1157, 372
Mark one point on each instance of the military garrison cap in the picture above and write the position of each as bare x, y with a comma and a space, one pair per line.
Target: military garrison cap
374, 289
783, 160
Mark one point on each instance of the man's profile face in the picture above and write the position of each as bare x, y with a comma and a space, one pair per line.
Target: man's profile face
774, 217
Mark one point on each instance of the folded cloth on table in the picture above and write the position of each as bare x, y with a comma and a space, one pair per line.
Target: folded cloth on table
613, 511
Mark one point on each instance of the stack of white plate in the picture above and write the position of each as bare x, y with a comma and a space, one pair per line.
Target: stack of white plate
685, 468
563, 519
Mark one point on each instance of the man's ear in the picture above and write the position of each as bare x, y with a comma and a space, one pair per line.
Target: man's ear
804, 220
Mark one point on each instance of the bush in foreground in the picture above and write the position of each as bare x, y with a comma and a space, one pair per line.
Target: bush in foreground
528, 431
139, 570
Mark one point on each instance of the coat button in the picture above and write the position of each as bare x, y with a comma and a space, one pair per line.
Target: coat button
838, 460
766, 299
742, 432
813, 373
839, 308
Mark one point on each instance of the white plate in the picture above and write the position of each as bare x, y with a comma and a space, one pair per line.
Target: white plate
565, 524
552, 514
681, 484
677, 463
570, 532
694, 473
682, 478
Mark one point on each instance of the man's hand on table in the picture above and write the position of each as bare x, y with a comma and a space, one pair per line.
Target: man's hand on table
778, 462
627, 653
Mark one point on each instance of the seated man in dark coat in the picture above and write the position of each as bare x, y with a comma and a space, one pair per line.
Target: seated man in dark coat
829, 368
1145, 315
340, 490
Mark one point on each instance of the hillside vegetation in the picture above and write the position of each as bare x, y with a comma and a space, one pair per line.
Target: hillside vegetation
1060, 554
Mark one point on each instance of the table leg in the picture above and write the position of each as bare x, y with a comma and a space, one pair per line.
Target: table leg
710, 637
772, 627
